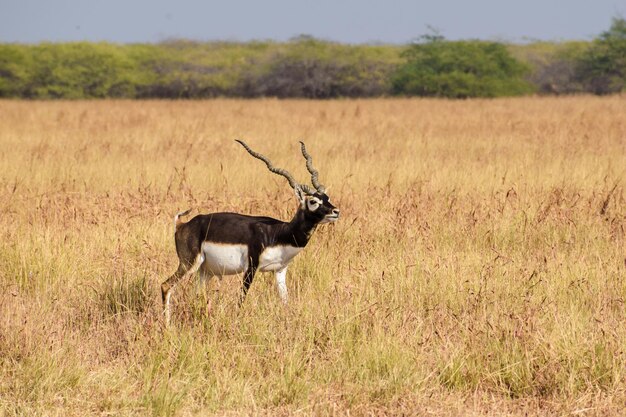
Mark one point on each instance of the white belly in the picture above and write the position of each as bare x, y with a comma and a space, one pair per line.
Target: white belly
276, 258
225, 259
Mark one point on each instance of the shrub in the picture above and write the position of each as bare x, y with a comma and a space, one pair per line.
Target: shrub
183, 69
311, 68
603, 68
14, 66
79, 70
553, 65
459, 69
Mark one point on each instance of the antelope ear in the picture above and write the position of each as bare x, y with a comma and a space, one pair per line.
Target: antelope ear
299, 195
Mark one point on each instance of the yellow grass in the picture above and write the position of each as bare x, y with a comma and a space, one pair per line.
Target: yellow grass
479, 266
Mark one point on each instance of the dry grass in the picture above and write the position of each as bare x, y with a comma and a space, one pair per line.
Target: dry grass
479, 267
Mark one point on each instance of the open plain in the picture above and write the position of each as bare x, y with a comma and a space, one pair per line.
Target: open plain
478, 268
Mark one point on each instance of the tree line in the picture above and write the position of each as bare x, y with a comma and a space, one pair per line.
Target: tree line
311, 68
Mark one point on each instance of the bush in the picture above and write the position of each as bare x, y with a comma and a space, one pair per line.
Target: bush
304, 67
602, 69
14, 66
311, 68
553, 65
184, 69
79, 70
459, 69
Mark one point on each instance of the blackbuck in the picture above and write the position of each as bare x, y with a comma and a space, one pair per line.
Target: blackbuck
221, 244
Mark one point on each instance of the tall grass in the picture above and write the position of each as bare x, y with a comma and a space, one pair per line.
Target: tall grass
479, 266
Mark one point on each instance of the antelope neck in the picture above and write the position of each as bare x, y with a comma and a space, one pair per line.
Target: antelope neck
299, 230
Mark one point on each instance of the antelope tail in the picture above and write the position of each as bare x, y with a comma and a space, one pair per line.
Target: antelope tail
177, 221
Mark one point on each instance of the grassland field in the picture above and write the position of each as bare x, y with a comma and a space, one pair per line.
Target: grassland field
479, 267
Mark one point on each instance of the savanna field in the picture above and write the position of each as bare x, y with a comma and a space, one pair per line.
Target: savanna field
478, 268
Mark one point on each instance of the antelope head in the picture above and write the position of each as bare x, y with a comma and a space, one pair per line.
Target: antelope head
313, 201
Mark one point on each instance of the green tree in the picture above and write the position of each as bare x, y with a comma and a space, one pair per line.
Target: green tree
15, 63
603, 68
79, 70
459, 69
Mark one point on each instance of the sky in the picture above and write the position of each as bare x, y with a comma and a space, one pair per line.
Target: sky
347, 21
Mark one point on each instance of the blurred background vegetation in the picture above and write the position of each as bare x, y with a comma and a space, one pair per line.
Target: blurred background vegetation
312, 68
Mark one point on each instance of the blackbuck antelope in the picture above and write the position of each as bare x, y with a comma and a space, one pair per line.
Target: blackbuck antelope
221, 244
